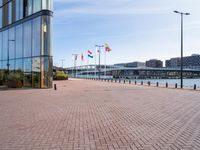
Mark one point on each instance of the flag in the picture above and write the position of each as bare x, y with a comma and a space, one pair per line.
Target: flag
107, 48
90, 54
82, 57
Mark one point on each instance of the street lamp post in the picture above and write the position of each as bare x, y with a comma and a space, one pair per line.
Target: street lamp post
99, 50
62, 60
75, 59
181, 13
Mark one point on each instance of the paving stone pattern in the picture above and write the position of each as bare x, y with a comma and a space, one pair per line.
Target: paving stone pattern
94, 115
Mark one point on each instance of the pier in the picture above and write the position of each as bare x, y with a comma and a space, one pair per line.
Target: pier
132, 73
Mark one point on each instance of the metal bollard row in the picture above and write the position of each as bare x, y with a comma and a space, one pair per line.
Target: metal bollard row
130, 82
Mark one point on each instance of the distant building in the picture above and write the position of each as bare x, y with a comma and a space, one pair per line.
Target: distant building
120, 64
154, 63
173, 62
167, 63
192, 61
131, 64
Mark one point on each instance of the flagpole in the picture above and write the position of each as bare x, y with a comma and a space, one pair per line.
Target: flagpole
72, 66
75, 69
87, 66
95, 63
105, 65
75, 59
99, 46
81, 66
107, 49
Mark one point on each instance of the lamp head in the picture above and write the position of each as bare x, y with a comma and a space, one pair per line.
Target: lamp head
175, 11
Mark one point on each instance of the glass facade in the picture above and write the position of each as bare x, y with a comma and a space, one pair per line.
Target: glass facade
25, 41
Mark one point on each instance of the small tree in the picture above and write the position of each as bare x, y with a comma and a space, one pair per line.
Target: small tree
60, 75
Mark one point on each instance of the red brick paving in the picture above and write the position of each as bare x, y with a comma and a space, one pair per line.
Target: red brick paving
94, 115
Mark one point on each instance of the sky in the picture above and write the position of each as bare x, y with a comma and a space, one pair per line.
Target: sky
136, 30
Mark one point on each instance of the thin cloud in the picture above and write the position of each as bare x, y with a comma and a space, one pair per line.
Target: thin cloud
106, 7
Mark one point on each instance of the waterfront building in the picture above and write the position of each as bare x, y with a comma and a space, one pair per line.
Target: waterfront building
167, 63
131, 64
173, 62
154, 63
192, 61
25, 40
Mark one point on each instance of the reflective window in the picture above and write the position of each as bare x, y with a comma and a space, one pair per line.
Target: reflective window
5, 14
1, 2
27, 39
19, 47
11, 42
36, 5
47, 4
46, 71
1, 46
18, 64
11, 65
4, 65
21, 9
27, 72
0, 17
46, 33
44, 4
36, 36
17, 9
5, 45
30, 7
36, 72
10, 13
27, 65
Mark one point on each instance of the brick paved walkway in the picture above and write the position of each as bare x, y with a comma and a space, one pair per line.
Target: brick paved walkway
91, 115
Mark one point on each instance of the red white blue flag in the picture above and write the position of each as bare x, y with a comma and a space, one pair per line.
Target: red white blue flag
90, 55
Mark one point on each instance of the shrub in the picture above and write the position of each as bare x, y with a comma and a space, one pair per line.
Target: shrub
15, 80
60, 75
2, 77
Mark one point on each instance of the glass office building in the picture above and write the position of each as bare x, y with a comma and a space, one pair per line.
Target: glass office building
25, 40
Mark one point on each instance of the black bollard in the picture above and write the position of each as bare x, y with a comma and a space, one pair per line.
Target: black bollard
176, 86
129, 81
157, 84
195, 87
55, 87
135, 82
141, 82
166, 85
149, 83
124, 81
